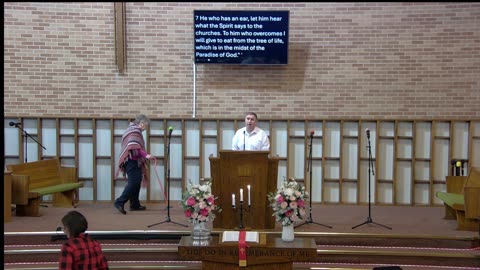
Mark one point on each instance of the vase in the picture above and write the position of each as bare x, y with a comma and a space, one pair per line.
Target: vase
288, 234
201, 233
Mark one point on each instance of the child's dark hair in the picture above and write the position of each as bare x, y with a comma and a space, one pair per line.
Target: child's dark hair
75, 222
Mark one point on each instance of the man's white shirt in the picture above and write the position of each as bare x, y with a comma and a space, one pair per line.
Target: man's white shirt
257, 140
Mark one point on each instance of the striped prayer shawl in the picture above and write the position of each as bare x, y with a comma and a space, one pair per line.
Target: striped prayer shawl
132, 140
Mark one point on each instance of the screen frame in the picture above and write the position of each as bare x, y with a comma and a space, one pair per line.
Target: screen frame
274, 54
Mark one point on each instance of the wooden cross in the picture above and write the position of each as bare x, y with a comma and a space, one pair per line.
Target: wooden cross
120, 36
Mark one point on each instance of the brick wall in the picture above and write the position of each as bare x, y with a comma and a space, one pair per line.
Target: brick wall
346, 60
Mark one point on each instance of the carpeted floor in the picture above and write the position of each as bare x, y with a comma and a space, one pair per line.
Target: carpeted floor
403, 220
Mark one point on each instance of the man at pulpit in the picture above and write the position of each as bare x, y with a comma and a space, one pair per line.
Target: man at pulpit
250, 137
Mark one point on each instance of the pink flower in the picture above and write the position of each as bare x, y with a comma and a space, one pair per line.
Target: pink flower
211, 200
284, 205
293, 205
188, 213
202, 205
301, 203
204, 212
289, 213
191, 201
280, 198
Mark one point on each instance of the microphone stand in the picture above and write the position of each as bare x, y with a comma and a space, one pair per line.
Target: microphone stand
26, 135
309, 168
26, 139
168, 219
370, 168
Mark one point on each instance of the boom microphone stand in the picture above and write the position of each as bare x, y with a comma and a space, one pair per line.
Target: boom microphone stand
170, 129
26, 135
309, 167
370, 167
17, 125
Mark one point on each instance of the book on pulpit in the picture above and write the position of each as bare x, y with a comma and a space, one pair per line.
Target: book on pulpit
233, 236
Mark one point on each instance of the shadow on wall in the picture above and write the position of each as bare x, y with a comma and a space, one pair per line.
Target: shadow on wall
257, 77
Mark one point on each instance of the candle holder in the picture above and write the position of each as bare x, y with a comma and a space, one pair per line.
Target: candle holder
241, 209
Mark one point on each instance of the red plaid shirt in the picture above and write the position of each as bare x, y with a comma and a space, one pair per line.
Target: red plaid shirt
82, 253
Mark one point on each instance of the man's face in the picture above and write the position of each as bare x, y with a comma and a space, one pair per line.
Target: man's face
250, 122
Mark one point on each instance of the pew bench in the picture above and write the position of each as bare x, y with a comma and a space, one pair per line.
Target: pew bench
453, 195
32, 180
461, 200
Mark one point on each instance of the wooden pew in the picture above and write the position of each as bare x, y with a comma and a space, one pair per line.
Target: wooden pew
472, 195
454, 194
7, 196
32, 180
463, 204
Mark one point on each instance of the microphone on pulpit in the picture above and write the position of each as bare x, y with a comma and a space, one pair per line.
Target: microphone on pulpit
244, 139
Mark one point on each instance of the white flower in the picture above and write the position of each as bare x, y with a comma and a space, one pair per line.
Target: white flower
288, 192
204, 188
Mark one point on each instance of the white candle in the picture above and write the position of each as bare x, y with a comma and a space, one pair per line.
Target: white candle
241, 195
249, 203
233, 200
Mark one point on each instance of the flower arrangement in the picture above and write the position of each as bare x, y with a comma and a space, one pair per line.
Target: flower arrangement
288, 203
198, 203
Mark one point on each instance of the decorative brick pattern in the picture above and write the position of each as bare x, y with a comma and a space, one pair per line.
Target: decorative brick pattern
347, 60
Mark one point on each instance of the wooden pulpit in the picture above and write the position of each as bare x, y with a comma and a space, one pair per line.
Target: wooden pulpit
234, 170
